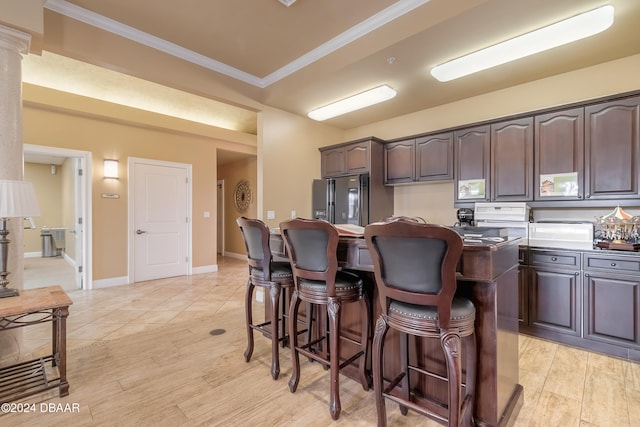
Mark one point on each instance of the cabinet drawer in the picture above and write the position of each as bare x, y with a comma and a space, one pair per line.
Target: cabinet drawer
552, 258
619, 264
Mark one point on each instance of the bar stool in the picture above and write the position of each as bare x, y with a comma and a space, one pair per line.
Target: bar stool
312, 246
275, 278
415, 272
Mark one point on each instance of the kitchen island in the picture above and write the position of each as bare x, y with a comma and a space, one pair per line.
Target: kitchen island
488, 276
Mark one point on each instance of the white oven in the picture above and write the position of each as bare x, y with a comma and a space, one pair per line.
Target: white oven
513, 216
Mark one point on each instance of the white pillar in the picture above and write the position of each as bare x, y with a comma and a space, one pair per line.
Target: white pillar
13, 44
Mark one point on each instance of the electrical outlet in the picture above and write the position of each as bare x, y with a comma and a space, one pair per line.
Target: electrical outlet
259, 295
293, 214
271, 214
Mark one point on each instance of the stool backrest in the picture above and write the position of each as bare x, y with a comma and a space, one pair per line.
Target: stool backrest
415, 263
256, 240
312, 247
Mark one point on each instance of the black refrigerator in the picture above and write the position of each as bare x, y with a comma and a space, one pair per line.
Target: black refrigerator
342, 200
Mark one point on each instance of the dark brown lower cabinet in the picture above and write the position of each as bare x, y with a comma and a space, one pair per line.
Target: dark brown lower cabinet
555, 300
612, 299
587, 299
612, 308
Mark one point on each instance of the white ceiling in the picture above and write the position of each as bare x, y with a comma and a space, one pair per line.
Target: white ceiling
252, 53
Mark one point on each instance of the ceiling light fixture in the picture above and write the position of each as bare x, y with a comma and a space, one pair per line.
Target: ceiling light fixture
355, 102
287, 2
554, 35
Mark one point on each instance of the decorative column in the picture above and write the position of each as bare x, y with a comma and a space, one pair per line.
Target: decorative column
13, 44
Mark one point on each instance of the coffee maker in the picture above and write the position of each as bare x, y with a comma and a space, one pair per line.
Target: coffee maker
465, 217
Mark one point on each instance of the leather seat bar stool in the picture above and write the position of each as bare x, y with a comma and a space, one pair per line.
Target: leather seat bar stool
275, 278
312, 246
415, 272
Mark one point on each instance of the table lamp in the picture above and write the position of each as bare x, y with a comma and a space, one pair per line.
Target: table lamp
17, 200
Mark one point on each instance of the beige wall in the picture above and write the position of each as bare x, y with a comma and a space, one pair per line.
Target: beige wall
289, 161
109, 135
434, 202
232, 174
49, 190
287, 153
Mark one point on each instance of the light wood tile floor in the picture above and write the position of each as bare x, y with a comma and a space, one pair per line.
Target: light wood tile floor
142, 355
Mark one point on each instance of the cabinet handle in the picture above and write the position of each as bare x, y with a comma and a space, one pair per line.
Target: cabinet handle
588, 196
577, 273
587, 275
553, 258
613, 264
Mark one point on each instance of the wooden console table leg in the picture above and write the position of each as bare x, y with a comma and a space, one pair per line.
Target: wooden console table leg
60, 344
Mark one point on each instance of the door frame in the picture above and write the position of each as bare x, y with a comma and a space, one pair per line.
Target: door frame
85, 203
131, 163
220, 224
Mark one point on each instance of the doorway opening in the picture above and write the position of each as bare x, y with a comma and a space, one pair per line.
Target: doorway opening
58, 243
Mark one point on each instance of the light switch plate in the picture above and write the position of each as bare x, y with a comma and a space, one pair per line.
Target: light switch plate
271, 214
293, 214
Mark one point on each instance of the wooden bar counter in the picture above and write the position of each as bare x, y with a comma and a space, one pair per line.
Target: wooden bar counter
488, 276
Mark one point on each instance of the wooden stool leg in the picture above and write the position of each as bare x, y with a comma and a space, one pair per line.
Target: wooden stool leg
333, 310
377, 362
451, 345
283, 316
293, 335
365, 309
404, 358
274, 292
470, 352
248, 300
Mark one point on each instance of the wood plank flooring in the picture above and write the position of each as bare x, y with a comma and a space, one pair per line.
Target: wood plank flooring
143, 355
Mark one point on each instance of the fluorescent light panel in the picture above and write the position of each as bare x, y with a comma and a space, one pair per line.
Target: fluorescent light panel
356, 102
558, 34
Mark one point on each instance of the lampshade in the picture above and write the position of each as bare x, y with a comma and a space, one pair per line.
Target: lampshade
17, 199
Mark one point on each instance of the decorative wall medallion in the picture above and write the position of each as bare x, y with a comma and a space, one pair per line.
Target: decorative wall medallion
242, 195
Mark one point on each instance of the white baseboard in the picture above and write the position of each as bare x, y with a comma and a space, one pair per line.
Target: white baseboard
242, 257
32, 254
110, 282
204, 269
70, 261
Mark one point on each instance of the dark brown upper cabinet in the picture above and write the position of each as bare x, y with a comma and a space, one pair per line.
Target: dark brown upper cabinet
350, 159
512, 160
434, 157
427, 158
399, 161
471, 149
558, 171
612, 142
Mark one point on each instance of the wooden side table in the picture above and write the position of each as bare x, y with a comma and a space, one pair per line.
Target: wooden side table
32, 307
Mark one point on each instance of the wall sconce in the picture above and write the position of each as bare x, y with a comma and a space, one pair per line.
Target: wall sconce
111, 168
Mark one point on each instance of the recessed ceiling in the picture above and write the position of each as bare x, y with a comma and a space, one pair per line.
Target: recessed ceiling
311, 53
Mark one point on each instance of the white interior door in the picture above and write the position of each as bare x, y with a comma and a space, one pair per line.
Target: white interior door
160, 223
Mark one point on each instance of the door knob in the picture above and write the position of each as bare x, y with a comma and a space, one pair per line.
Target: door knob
138, 231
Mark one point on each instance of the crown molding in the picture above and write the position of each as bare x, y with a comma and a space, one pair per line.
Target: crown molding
110, 25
